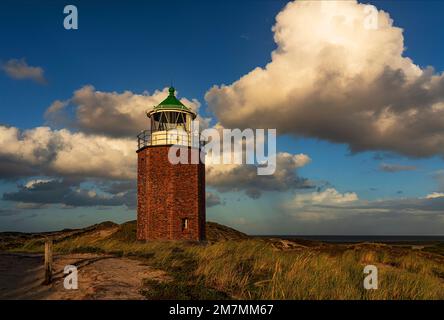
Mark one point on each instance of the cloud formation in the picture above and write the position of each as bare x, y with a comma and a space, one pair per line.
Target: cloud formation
43, 151
66, 192
434, 195
340, 81
20, 70
47, 152
387, 167
329, 196
212, 199
241, 177
113, 114
332, 212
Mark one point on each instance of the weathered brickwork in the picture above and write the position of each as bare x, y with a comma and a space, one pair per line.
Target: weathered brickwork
166, 195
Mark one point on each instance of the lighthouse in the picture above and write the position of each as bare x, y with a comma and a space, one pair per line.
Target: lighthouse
170, 196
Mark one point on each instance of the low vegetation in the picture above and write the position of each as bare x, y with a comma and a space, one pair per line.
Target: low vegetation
255, 268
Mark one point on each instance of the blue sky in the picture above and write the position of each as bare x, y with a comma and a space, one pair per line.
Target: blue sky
146, 45
143, 46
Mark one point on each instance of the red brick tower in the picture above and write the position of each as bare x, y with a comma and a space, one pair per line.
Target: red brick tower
170, 197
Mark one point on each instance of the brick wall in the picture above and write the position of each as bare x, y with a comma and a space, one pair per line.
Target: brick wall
168, 193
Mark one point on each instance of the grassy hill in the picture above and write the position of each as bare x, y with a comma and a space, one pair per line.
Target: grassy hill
233, 265
124, 232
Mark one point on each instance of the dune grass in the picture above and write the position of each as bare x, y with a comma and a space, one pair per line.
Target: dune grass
253, 269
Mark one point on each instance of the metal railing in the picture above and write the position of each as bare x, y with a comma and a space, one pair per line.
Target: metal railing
171, 137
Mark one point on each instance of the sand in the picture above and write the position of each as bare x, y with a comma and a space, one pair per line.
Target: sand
99, 277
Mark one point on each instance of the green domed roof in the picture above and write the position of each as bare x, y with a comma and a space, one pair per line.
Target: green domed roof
171, 102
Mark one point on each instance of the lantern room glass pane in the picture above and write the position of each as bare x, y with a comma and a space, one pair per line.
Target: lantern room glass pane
169, 120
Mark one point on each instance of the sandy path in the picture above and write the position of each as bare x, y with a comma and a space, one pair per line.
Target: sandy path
100, 277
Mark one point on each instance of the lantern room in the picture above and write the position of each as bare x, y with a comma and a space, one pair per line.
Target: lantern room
170, 123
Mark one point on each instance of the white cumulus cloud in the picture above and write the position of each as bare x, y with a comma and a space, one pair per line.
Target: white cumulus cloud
43, 151
244, 177
334, 78
112, 114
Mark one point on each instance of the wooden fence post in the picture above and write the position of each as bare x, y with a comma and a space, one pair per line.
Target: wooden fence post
48, 262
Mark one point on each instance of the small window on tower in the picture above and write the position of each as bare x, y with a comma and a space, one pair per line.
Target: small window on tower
184, 224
